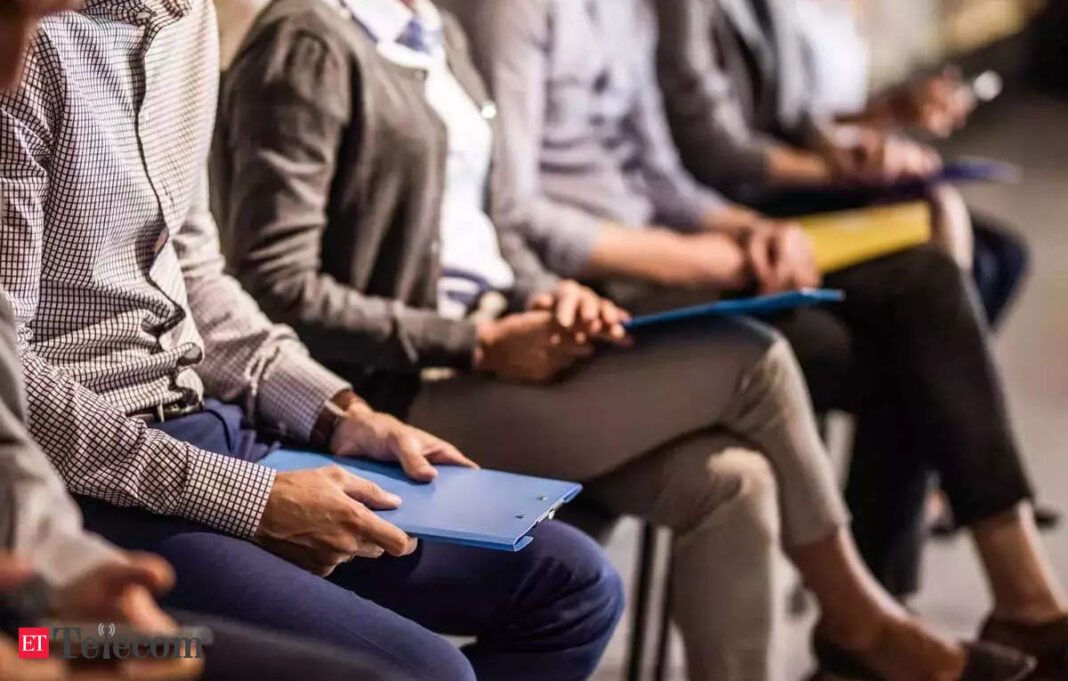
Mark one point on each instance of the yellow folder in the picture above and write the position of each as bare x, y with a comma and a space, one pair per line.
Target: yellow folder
851, 237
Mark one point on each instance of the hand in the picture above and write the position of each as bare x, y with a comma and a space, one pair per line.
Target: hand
527, 347
866, 154
781, 258
371, 434
937, 105
580, 311
120, 591
323, 517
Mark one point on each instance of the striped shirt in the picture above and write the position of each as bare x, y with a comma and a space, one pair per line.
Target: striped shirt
111, 260
582, 121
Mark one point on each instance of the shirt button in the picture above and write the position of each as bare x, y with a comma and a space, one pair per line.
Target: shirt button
192, 356
489, 111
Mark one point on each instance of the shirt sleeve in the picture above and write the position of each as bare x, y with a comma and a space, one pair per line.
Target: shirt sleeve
714, 139
513, 45
38, 519
287, 103
679, 201
98, 450
246, 357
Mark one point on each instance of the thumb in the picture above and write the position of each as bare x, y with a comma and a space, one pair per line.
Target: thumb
144, 569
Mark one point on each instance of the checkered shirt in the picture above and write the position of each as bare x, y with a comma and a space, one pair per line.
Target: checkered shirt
111, 260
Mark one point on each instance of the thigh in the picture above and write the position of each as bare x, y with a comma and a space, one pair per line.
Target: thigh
609, 410
240, 651
235, 579
466, 591
826, 350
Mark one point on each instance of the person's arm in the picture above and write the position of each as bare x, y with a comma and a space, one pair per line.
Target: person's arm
97, 449
38, 519
513, 42
288, 102
714, 139
680, 202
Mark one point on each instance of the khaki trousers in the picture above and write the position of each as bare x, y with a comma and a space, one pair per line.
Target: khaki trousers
706, 430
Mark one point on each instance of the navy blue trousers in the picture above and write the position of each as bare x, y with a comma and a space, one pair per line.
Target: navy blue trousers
542, 614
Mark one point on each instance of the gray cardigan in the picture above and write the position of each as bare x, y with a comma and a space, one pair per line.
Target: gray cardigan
328, 171
733, 77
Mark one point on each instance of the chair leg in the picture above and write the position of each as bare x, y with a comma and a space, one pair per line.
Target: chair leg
664, 642
640, 602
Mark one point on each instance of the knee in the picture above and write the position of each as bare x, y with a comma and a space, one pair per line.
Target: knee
435, 659
742, 492
584, 588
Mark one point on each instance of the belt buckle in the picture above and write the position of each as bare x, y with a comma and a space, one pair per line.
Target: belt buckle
160, 413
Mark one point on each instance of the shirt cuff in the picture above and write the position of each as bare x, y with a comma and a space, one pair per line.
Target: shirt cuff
569, 248
226, 494
294, 394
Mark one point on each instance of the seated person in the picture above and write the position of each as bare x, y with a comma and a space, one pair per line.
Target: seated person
583, 131
125, 321
354, 166
51, 567
762, 82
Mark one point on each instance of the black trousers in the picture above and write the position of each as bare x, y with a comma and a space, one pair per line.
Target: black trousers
907, 354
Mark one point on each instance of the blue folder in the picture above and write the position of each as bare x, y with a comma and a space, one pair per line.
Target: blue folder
481, 508
753, 307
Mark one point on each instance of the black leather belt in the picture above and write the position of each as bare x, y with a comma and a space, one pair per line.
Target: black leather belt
168, 412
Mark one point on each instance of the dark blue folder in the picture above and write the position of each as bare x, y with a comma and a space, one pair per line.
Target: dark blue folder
753, 307
487, 509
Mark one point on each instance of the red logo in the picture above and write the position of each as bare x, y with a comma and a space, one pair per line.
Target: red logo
33, 643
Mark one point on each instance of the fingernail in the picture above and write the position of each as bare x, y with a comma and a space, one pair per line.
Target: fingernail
393, 498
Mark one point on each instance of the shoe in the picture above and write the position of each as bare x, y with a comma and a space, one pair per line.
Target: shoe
986, 662
1048, 643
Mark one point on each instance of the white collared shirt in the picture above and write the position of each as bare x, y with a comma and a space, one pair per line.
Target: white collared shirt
470, 253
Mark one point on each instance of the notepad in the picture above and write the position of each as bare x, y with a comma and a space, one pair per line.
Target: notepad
846, 238
751, 307
473, 507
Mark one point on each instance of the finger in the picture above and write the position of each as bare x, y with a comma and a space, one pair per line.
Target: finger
374, 530
365, 550
760, 262
590, 310
542, 301
411, 454
144, 569
447, 454
368, 493
567, 303
13, 572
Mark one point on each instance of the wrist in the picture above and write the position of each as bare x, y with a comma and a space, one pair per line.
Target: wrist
487, 334
332, 414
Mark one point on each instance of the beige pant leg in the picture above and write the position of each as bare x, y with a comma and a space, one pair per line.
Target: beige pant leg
719, 499
731, 375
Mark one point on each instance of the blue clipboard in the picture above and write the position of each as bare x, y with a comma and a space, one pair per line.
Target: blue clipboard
752, 307
480, 508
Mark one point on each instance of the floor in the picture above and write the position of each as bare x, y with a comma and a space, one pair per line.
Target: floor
1032, 131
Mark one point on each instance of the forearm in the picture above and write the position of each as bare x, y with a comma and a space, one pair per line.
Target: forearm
102, 453
666, 258
793, 166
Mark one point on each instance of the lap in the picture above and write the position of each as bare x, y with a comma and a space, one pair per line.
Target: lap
607, 411
235, 579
